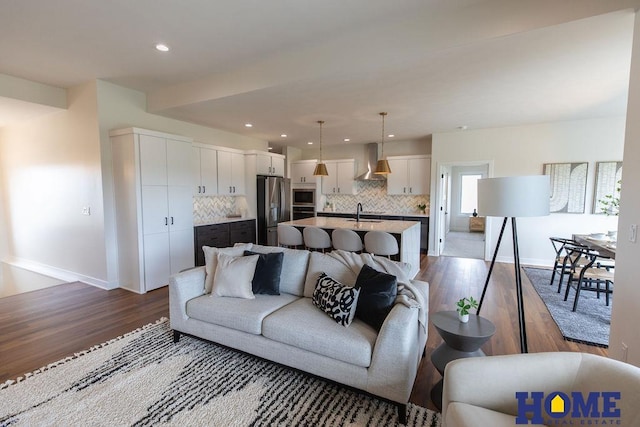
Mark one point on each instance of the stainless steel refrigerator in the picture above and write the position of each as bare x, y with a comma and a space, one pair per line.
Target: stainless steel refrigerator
273, 207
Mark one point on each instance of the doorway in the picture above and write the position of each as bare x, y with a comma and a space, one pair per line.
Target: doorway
461, 232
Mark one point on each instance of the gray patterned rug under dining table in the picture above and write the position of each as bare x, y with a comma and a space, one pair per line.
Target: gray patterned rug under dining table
589, 324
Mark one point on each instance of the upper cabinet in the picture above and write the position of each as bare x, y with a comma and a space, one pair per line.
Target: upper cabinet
231, 180
269, 164
340, 179
168, 165
205, 165
410, 175
302, 172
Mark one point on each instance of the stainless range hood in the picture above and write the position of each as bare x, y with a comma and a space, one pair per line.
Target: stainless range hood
372, 161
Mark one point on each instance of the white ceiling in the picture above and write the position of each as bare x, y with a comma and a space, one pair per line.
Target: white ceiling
433, 65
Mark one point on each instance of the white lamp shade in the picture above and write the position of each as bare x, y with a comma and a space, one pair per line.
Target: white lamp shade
514, 196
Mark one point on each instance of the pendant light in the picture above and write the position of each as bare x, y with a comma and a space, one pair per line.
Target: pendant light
321, 168
382, 167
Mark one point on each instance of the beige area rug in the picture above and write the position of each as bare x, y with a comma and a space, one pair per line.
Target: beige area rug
144, 379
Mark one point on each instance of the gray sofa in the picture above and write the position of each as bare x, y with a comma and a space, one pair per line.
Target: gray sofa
290, 330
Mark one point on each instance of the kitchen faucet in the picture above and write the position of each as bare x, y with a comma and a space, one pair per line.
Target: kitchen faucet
358, 210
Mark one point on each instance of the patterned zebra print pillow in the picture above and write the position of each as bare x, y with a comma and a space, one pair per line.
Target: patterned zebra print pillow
335, 299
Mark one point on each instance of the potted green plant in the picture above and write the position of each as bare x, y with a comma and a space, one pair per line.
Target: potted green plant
610, 204
423, 208
463, 306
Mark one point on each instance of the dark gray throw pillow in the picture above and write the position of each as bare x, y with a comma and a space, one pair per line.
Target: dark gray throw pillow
266, 279
378, 293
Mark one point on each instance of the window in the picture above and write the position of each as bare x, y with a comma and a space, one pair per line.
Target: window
469, 193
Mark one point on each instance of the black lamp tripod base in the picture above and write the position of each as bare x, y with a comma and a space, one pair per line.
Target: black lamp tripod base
518, 273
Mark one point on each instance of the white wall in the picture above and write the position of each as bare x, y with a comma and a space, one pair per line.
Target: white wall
50, 170
626, 316
523, 150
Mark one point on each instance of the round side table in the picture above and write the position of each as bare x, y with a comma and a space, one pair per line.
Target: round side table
460, 340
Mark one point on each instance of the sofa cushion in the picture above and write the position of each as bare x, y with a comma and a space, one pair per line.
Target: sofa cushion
323, 263
211, 261
335, 299
266, 279
236, 313
378, 293
294, 267
464, 414
302, 325
233, 276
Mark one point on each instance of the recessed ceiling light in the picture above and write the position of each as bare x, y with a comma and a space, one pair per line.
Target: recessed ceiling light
284, 135
347, 140
248, 125
162, 47
391, 135
310, 142
463, 127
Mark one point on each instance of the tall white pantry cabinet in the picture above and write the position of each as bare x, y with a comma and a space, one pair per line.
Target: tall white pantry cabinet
153, 181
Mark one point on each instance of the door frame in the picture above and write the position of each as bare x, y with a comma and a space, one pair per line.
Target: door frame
441, 167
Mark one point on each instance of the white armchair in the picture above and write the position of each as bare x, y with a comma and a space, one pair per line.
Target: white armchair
482, 391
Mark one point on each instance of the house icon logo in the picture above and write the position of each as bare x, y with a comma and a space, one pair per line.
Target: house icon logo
557, 405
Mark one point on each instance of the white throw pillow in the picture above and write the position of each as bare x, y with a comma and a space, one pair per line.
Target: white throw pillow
233, 276
211, 261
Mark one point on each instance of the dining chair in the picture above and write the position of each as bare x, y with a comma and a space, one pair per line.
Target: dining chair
563, 262
587, 274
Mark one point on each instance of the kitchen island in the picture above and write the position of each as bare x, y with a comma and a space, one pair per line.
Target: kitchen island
407, 233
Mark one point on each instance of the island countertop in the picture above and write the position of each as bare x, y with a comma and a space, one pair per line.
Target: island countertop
390, 226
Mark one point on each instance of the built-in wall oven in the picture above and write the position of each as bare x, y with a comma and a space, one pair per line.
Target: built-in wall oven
303, 203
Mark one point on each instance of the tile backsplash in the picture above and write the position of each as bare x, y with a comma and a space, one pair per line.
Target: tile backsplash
207, 208
373, 196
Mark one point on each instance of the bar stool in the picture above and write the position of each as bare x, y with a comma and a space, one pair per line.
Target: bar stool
316, 238
289, 236
347, 240
380, 243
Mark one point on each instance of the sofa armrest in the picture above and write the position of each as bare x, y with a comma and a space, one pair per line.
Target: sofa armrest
184, 286
491, 382
394, 364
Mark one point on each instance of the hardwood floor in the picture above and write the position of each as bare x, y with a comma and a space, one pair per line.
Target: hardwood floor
41, 327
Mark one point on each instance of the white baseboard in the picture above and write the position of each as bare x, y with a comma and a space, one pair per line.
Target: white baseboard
525, 261
59, 273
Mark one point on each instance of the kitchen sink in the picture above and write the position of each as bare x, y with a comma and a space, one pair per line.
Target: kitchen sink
365, 220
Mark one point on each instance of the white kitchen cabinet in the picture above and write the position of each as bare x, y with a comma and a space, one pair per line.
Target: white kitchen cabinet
153, 182
302, 172
340, 179
410, 175
205, 167
269, 164
231, 173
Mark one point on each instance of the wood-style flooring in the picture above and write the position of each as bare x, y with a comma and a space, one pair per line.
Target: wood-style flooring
41, 327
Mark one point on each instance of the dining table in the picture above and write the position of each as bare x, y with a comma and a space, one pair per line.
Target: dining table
598, 242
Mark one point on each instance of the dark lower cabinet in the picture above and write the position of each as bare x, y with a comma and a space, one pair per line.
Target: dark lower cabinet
223, 235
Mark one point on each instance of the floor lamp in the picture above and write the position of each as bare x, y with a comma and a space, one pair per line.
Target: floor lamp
513, 197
